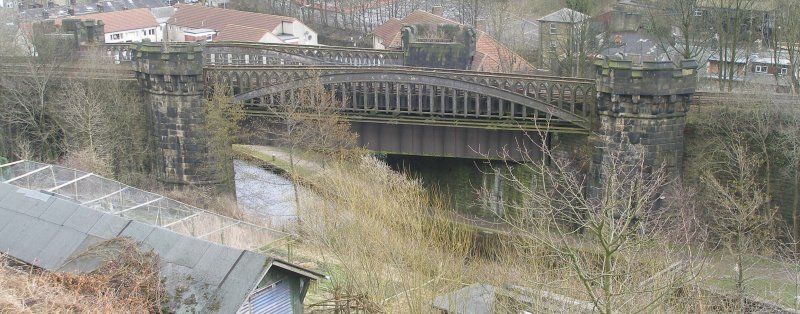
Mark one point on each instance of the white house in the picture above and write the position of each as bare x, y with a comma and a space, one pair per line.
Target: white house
8, 4
128, 26
233, 25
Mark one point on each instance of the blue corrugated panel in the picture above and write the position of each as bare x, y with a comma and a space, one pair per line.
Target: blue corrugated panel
274, 299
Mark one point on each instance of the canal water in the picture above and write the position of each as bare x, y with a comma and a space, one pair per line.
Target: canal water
469, 186
263, 195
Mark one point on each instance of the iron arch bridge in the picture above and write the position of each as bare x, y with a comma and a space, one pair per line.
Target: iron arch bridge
262, 54
423, 96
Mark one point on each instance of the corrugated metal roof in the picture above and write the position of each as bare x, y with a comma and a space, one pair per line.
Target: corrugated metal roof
49, 232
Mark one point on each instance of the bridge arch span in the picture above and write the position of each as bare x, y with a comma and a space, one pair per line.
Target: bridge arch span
501, 94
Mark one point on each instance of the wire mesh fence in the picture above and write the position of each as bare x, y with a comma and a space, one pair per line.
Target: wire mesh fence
113, 197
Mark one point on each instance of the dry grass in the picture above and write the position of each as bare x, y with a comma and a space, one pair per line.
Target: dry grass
223, 204
128, 283
378, 233
391, 248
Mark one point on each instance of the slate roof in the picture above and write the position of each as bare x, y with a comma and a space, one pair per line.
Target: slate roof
50, 232
119, 21
490, 55
565, 15
163, 14
196, 16
759, 5
80, 9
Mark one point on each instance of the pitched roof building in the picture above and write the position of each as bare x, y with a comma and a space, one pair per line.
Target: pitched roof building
490, 55
127, 26
564, 15
559, 37
51, 231
233, 25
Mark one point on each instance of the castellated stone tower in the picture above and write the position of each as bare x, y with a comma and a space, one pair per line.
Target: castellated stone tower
172, 81
642, 113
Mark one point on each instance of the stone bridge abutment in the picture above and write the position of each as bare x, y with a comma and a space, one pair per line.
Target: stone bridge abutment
173, 86
641, 116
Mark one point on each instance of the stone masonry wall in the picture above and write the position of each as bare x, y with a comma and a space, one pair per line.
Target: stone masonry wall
641, 113
172, 80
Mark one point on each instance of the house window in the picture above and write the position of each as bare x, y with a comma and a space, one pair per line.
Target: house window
115, 36
784, 70
552, 45
761, 69
208, 37
553, 28
152, 32
698, 13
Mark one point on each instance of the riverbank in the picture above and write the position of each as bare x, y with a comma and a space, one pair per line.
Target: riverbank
773, 283
278, 159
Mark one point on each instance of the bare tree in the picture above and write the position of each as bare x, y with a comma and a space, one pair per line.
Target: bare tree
102, 119
732, 23
574, 42
28, 103
309, 119
679, 31
789, 132
738, 208
605, 240
223, 115
786, 42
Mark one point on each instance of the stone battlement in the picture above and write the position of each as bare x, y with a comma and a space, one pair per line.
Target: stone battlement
174, 59
651, 78
442, 46
86, 32
641, 115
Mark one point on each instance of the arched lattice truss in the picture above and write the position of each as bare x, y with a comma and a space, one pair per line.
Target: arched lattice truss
423, 93
255, 54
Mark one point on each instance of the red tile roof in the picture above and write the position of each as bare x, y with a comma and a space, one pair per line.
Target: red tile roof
233, 32
118, 21
387, 31
490, 55
196, 16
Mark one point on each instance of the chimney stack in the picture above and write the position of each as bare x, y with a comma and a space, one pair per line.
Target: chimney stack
437, 10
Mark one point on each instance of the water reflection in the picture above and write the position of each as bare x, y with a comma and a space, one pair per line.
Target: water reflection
263, 195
